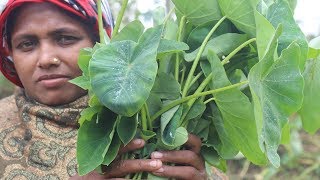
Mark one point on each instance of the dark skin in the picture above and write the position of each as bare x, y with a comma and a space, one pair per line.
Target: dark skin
191, 165
62, 37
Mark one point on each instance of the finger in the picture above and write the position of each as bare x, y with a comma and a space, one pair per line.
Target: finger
185, 157
181, 172
194, 143
132, 145
125, 167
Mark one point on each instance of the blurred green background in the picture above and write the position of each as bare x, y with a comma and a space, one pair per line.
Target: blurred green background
300, 156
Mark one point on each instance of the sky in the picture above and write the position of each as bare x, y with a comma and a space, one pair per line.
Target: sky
307, 13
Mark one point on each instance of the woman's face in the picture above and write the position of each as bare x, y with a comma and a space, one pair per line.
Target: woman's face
42, 33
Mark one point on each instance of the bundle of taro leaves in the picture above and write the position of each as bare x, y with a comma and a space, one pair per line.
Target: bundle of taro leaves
231, 72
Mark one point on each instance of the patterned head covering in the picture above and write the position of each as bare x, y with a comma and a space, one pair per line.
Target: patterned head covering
85, 9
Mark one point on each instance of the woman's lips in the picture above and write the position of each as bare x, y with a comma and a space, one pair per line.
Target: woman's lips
53, 80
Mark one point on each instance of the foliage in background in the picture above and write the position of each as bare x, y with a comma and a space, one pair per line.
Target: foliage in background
6, 87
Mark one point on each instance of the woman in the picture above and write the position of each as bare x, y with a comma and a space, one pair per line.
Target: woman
38, 125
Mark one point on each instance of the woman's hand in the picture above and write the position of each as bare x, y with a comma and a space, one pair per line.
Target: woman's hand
188, 163
121, 168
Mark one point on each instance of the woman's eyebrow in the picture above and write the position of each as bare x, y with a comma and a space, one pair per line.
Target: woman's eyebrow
22, 36
64, 30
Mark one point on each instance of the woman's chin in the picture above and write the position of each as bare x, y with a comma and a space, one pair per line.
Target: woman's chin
57, 98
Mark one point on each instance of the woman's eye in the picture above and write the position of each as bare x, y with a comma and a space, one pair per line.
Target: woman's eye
26, 45
67, 40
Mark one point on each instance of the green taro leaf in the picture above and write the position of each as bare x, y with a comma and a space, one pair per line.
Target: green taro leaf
314, 48
88, 113
237, 114
170, 121
310, 113
154, 104
123, 73
146, 134
147, 150
167, 46
202, 129
277, 91
315, 43
280, 13
221, 45
210, 155
285, 134
199, 33
82, 81
84, 59
196, 110
224, 147
94, 101
198, 11
133, 31
166, 87
93, 142
112, 151
263, 6
240, 13
265, 32
83, 63
127, 128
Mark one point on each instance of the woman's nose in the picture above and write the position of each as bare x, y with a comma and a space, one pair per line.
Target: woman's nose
47, 57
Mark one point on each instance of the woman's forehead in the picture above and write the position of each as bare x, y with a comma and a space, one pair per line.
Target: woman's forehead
42, 15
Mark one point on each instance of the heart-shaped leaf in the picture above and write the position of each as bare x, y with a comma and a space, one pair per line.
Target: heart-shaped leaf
123, 73
127, 128
237, 113
112, 151
218, 136
131, 31
277, 91
198, 11
221, 45
170, 121
309, 112
94, 139
166, 87
240, 12
280, 13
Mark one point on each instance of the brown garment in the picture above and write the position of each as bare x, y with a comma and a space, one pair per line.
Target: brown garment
37, 141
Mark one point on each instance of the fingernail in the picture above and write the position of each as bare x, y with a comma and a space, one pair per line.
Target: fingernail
159, 170
138, 141
157, 155
154, 163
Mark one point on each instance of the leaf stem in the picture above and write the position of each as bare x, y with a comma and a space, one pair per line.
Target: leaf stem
234, 52
168, 16
209, 100
194, 80
144, 119
119, 18
182, 76
100, 22
180, 37
202, 86
148, 117
196, 95
196, 61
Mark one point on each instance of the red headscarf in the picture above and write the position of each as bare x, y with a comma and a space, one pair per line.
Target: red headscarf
85, 9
